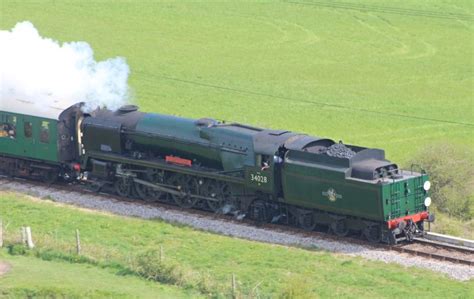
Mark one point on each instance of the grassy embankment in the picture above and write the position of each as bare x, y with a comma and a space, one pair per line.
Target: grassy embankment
113, 246
35, 278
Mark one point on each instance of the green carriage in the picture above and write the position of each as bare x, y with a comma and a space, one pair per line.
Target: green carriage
28, 137
35, 142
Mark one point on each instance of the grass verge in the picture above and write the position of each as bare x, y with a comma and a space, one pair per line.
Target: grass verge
31, 277
205, 262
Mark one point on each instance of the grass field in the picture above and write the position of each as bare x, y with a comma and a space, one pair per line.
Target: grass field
34, 278
110, 242
395, 75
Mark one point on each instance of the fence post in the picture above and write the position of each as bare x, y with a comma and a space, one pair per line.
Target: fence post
234, 287
29, 238
78, 242
23, 235
1, 233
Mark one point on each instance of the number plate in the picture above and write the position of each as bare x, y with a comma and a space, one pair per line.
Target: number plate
259, 178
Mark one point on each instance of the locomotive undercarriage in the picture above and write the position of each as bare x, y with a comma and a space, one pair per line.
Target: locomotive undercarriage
188, 191
157, 185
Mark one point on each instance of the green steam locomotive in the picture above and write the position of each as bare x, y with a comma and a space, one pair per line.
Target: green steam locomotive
266, 175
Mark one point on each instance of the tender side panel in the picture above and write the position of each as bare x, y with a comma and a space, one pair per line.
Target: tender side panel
28, 136
317, 186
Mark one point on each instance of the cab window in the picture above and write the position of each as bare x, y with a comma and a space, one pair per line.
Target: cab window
44, 132
28, 129
263, 161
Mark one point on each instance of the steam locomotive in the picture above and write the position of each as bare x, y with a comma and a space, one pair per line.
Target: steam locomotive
266, 175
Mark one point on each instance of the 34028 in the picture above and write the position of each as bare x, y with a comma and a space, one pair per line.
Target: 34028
258, 178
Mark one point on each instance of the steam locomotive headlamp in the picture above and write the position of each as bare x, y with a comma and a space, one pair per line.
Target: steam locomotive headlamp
428, 201
427, 185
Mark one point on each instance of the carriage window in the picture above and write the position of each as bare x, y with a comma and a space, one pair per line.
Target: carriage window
8, 127
28, 129
44, 133
4, 130
12, 126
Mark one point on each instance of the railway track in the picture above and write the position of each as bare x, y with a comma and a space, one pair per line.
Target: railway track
437, 250
421, 247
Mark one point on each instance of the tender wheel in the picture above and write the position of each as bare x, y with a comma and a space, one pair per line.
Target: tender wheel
212, 189
187, 186
391, 238
95, 186
340, 228
410, 231
49, 177
123, 187
373, 233
420, 227
307, 221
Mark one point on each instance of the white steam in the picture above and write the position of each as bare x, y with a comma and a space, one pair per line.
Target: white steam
47, 76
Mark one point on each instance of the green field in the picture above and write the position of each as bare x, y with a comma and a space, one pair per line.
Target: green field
32, 278
395, 75
207, 261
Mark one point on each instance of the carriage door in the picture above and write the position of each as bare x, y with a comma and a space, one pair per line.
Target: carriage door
29, 141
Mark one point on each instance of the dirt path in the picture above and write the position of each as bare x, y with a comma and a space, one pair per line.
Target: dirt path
4, 268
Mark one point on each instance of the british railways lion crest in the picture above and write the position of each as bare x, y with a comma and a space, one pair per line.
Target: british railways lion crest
332, 194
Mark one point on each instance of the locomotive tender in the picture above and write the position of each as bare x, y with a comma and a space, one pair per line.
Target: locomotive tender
266, 175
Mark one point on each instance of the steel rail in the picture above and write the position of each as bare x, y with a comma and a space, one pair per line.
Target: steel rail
444, 245
431, 255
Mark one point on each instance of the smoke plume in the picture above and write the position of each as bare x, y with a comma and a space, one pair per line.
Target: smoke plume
50, 75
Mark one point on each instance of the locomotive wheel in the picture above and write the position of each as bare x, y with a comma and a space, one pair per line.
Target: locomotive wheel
143, 192
258, 211
307, 221
212, 189
227, 195
373, 233
123, 187
150, 194
187, 186
339, 228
